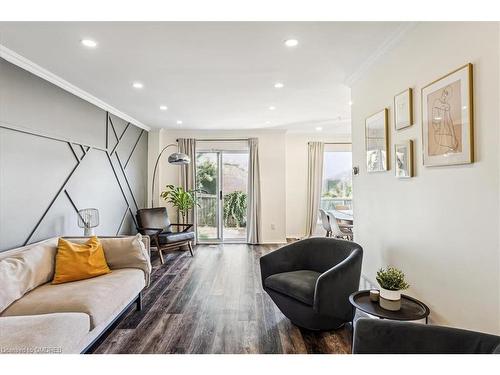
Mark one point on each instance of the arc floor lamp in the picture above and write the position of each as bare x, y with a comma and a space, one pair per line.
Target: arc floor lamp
177, 158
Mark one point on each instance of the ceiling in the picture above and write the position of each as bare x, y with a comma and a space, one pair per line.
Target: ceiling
211, 75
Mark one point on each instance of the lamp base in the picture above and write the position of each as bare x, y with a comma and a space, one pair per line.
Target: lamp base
88, 232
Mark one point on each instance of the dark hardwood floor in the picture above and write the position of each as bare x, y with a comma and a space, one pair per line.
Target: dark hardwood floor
213, 303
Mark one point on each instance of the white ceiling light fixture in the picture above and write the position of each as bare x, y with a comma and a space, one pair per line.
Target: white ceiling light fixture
89, 43
350, 103
319, 128
272, 108
163, 108
291, 42
279, 85
179, 122
137, 85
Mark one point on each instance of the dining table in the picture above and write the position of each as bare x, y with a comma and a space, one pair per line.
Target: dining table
345, 218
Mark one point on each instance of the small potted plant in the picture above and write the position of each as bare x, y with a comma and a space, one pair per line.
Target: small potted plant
392, 282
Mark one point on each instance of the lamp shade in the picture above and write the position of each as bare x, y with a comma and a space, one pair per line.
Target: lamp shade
88, 218
179, 158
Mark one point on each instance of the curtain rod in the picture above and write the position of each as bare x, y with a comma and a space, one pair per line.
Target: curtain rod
220, 140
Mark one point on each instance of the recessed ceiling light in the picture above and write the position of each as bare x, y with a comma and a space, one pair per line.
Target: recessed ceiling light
137, 85
163, 107
278, 85
319, 128
89, 43
179, 122
268, 122
272, 108
350, 102
291, 42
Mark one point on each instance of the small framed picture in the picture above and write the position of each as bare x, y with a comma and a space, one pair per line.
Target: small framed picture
447, 119
403, 155
403, 109
376, 142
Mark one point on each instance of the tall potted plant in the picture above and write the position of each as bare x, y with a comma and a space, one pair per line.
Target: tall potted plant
392, 282
183, 200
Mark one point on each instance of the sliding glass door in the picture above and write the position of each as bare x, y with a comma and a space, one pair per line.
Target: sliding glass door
207, 181
222, 178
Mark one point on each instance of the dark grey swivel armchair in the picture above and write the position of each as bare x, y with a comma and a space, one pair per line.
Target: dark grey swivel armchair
377, 336
155, 223
311, 280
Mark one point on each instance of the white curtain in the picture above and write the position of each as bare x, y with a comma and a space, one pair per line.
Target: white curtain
314, 178
254, 205
187, 173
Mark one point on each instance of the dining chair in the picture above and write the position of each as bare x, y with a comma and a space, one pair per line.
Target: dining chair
325, 222
336, 230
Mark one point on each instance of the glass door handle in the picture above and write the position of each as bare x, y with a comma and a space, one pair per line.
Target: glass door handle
220, 194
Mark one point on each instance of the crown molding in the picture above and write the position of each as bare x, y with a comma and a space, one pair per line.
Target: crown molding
37, 70
385, 47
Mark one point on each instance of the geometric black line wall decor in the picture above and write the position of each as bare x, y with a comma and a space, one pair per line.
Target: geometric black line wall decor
59, 154
117, 168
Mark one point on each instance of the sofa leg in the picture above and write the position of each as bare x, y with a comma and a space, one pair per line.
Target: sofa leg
190, 248
161, 256
138, 302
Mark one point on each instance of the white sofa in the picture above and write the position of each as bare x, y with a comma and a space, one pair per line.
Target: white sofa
38, 317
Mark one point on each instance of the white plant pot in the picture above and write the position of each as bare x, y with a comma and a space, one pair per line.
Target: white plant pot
391, 295
390, 299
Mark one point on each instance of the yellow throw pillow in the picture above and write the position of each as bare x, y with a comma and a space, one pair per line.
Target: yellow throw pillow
79, 261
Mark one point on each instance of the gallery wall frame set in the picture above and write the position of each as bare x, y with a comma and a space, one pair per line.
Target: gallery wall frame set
403, 159
448, 119
447, 110
377, 141
403, 109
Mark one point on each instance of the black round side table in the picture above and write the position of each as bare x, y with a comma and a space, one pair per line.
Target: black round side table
411, 308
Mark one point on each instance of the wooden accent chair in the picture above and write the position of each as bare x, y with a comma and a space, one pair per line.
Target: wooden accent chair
155, 223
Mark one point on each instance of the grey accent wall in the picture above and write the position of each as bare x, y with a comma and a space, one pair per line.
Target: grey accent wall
58, 154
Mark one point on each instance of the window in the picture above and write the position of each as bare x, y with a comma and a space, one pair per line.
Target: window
336, 191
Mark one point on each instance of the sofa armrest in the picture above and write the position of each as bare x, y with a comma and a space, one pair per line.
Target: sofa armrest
377, 336
334, 287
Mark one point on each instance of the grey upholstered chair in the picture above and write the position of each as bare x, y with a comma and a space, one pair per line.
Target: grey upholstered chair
311, 280
380, 336
155, 223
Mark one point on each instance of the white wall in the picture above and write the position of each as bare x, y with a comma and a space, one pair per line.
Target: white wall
440, 227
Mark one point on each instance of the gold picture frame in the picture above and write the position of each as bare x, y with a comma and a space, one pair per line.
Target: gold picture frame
403, 160
448, 119
403, 109
377, 141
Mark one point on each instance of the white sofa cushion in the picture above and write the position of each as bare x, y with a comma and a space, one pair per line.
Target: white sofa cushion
99, 297
43, 334
24, 269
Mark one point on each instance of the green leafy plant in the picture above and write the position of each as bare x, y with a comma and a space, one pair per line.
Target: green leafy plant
392, 279
206, 174
235, 209
183, 200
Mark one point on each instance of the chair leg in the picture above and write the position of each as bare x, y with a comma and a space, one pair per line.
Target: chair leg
157, 243
190, 248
